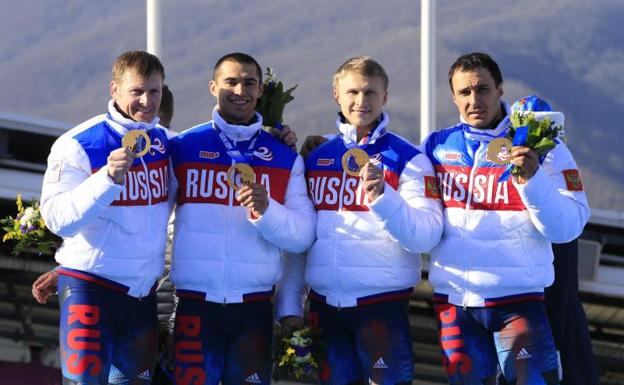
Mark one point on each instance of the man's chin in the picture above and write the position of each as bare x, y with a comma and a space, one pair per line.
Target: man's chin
477, 123
143, 118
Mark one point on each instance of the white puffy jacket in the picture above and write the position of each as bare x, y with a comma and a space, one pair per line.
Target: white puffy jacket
497, 236
113, 231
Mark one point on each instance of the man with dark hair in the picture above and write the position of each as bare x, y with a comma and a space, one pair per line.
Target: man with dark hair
490, 269
473, 62
237, 57
241, 200
111, 207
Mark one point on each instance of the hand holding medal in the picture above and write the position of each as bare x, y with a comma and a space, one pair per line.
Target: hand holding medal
134, 144
118, 163
254, 196
372, 181
356, 162
242, 179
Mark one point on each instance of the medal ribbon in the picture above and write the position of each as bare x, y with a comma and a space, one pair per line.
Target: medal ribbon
231, 149
519, 139
370, 138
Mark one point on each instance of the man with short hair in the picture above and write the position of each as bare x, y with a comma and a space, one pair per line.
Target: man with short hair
378, 208
111, 207
241, 200
490, 269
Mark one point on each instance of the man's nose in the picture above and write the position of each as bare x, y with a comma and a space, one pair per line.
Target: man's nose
239, 88
473, 98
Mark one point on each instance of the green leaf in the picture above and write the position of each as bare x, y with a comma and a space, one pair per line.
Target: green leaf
273, 100
544, 146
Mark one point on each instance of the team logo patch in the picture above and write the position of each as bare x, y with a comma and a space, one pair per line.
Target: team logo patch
264, 154
144, 376
324, 162
452, 156
431, 187
157, 146
253, 379
573, 180
380, 364
523, 354
54, 171
209, 154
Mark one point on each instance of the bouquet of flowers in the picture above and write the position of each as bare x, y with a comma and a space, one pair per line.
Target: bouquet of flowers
294, 354
538, 135
29, 229
273, 100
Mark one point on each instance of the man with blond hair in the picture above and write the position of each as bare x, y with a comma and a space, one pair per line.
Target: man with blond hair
378, 208
111, 207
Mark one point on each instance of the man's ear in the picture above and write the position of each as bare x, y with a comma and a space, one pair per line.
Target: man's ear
212, 86
336, 95
113, 89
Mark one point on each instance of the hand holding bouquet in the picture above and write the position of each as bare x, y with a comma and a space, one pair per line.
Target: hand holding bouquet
541, 134
28, 229
537, 134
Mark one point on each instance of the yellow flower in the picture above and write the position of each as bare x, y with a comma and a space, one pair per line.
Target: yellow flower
290, 351
20, 206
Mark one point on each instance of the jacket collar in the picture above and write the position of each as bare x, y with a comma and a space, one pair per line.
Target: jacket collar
235, 132
349, 132
487, 134
121, 124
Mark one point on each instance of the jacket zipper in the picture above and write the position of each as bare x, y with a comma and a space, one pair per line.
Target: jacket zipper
226, 257
473, 170
150, 211
340, 207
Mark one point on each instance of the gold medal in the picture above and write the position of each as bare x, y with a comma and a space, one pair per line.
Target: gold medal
354, 160
247, 175
137, 141
499, 151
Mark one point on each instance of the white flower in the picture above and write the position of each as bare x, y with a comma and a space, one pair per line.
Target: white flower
27, 218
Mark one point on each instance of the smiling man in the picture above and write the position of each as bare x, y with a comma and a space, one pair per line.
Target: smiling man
111, 208
374, 218
241, 200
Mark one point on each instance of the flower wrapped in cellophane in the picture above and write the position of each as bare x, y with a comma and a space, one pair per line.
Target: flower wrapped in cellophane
273, 101
29, 230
